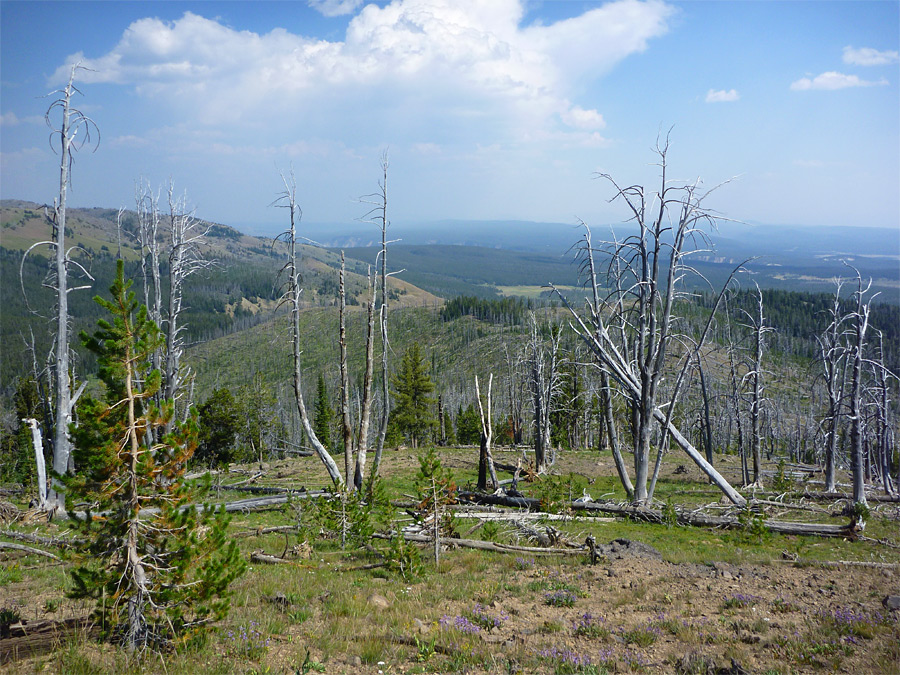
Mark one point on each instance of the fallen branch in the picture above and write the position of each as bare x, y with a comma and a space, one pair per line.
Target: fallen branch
27, 549
58, 542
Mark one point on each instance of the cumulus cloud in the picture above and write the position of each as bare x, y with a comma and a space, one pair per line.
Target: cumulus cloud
833, 80
335, 7
866, 56
578, 117
722, 96
439, 63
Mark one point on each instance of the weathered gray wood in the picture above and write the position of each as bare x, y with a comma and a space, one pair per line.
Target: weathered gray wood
28, 549
726, 522
29, 639
59, 542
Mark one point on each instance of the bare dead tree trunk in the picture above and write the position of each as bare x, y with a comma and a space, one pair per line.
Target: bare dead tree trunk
362, 441
833, 359
73, 122
38, 444
757, 324
185, 258
346, 424
859, 325
707, 423
378, 214
288, 200
486, 459
545, 384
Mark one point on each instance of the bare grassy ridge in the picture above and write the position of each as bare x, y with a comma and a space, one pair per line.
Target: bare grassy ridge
713, 597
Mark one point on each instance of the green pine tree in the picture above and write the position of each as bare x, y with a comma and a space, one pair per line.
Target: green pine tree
413, 407
323, 414
468, 426
157, 567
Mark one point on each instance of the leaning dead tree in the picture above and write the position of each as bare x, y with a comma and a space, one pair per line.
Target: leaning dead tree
291, 297
630, 330
74, 131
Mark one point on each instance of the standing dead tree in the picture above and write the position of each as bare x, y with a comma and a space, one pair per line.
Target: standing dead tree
291, 296
833, 354
757, 325
485, 458
647, 269
545, 380
185, 258
74, 131
859, 325
378, 215
356, 443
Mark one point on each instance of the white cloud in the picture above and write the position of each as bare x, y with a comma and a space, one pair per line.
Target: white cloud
866, 56
722, 96
9, 119
335, 7
833, 80
578, 117
440, 64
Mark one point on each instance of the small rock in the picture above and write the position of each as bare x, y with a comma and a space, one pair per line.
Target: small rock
891, 602
610, 572
354, 661
420, 626
379, 602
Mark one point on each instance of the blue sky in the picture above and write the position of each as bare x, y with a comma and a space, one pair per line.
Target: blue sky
503, 109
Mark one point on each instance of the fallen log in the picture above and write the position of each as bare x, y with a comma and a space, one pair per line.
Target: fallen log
466, 497
450, 542
835, 496
29, 639
28, 549
266, 530
58, 542
265, 558
722, 522
493, 516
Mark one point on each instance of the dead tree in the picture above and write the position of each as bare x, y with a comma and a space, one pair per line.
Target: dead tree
544, 382
362, 438
288, 200
859, 325
185, 258
485, 458
378, 215
346, 423
648, 268
73, 123
833, 353
757, 325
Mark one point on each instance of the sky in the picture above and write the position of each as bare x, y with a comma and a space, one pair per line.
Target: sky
488, 110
